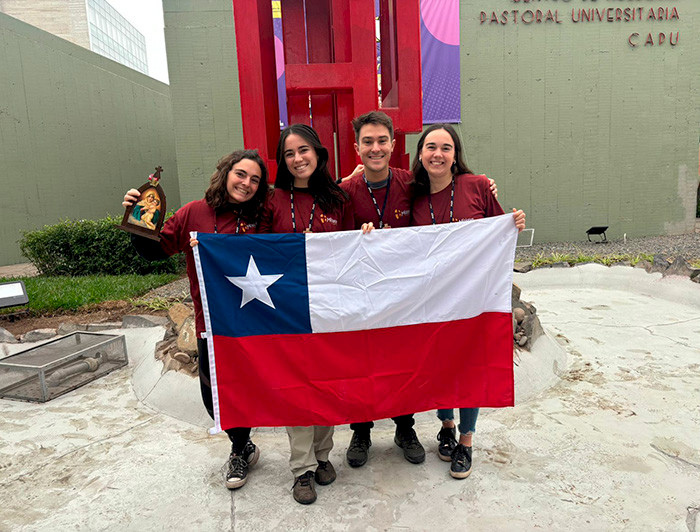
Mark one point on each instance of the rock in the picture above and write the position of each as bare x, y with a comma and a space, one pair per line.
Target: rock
70, 327
529, 307
532, 329
515, 324
178, 313
659, 264
694, 274
182, 357
516, 292
160, 346
522, 341
519, 314
6, 337
679, 267
171, 364
187, 339
561, 265
644, 264
39, 334
170, 332
103, 326
518, 336
522, 267
144, 320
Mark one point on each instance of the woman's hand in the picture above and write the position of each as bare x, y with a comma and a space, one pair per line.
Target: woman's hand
357, 171
494, 188
367, 228
193, 242
519, 219
131, 197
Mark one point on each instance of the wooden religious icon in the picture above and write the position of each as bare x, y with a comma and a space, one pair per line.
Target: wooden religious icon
146, 216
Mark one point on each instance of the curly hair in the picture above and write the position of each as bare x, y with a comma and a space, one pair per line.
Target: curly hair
421, 181
216, 195
322, 186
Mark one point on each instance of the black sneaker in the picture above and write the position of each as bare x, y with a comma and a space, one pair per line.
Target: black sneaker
461, 462
251, 453
412, 449
448, 441
237, 473
303, 488
358, 450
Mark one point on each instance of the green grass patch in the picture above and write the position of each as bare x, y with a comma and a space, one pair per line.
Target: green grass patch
571, 259
57, 294
156, 303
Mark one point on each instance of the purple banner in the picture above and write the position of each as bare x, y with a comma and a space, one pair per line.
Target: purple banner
440, 61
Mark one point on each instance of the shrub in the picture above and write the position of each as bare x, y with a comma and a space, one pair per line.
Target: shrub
89, 247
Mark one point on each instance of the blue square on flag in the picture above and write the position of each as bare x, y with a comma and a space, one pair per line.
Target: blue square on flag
255, 284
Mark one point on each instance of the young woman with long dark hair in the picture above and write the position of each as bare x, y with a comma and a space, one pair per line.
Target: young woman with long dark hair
446, 191
306, 199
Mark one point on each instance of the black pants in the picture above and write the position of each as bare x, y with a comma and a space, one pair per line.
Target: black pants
402, 423
239, 436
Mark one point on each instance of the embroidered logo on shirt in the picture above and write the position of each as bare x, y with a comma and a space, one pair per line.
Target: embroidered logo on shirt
399, 213
328, 219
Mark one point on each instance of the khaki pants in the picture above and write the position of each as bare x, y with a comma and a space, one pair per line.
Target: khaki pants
307, 446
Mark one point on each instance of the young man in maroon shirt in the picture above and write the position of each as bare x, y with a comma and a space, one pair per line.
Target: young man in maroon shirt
380, 195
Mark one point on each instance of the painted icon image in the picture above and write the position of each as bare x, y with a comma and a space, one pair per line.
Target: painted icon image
147, 212
146, 217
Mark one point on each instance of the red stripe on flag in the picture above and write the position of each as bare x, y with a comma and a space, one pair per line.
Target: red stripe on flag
338, 378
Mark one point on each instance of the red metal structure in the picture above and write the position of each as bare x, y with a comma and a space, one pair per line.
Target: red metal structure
331, 71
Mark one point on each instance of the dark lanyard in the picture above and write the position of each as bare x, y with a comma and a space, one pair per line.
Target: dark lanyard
452, 204
374, 200
238, 223
294, 219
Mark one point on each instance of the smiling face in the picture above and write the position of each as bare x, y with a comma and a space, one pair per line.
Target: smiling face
243, 181
374, 146
438, 154
301, 159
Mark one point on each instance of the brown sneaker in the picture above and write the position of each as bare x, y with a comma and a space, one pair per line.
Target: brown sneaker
303, 488
325, 473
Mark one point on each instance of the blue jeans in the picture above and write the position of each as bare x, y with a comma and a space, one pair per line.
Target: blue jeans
467, 418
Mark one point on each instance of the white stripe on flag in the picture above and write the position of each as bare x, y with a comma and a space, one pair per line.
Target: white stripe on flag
410, 275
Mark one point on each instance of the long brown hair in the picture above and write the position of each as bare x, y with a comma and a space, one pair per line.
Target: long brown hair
421, 181
216, 195
321, 185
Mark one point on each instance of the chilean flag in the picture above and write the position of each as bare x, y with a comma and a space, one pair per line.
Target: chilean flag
333, 328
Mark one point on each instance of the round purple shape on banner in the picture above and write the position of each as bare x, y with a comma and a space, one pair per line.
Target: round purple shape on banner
441, 18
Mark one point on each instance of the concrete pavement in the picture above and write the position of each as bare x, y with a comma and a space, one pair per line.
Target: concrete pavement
604, 436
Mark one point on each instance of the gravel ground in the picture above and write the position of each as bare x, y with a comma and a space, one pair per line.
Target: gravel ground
685, 246
179, 290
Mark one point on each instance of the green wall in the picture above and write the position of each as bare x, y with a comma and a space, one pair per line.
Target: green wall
577, 127
200, 41
76, 131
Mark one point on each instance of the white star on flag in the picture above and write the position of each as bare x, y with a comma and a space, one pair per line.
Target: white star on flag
254, 285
